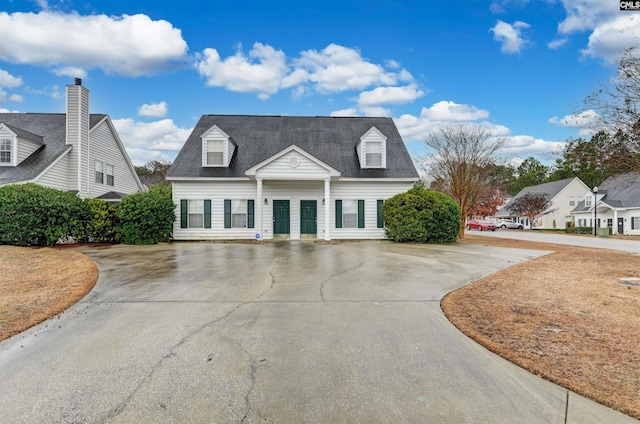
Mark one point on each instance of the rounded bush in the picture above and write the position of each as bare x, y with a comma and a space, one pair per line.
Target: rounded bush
103, 226
421, 215
147, 218
32, 215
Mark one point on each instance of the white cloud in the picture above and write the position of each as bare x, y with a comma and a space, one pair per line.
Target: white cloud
345, 112
153, 110
70, 71
126, 45
262, 71
447, 111
584, 121
510, 36
9, 81
390, 95
375, 111
610, 38
53, 92
500, 6
146, 141
16, 98
525, 146
3, 110
557, 43
585, 15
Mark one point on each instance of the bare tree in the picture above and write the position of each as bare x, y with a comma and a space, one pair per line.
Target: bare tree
461, 163
618, 103
533, 206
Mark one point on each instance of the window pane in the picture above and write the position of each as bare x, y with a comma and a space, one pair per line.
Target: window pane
196, 214
374, 153
349, 213
238, 220
215, 152
5, 157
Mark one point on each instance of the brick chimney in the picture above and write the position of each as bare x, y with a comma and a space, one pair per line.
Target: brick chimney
78, 135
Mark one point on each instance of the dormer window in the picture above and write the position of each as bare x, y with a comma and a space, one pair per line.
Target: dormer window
215, 152
372, 149
217, 148
5, 151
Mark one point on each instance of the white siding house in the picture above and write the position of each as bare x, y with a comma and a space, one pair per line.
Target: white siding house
564, 195
63, 151
616, 205
266, 177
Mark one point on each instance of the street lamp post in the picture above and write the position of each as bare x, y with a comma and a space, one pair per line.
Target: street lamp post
595, 211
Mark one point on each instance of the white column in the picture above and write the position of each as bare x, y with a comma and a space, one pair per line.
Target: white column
614, 224
259, 213
327, 209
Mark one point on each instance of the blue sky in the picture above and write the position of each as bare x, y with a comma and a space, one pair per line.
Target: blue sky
521, 68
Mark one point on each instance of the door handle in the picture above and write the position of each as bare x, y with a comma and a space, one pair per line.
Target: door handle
274, 219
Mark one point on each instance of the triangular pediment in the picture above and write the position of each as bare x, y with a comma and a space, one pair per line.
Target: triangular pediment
292, 162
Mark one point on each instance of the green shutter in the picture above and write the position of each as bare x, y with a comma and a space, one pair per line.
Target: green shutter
184, 213
360, 213
338, 213
207, 213
379, 212
227, 213
250, 214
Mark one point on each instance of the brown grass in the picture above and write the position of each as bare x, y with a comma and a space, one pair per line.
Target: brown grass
37, 284
565, 317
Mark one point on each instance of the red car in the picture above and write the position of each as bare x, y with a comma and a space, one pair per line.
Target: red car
478, 224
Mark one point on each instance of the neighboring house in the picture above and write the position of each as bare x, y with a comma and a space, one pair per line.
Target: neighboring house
246, 177
618, 205
564, 195
73, 151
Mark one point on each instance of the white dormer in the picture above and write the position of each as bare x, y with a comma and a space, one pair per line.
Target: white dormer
372, 149
217, 148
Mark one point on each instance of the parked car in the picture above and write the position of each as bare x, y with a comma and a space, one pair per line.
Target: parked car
479, 224
506, 223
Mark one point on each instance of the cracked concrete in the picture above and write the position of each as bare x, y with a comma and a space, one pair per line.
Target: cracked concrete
286, 332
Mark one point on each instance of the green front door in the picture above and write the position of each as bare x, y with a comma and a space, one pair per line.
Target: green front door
308, 215
281, 217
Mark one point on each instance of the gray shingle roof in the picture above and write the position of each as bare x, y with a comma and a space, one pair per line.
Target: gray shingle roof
622, 191
551, 190
46, 128
330, 139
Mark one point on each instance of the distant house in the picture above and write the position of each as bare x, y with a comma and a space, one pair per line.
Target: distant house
564, 194
617, 202
246, 177
73, 151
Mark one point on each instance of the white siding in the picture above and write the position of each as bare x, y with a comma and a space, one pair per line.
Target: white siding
294, 191
26, 148
105, 148
561, 201
293, 166
56, 176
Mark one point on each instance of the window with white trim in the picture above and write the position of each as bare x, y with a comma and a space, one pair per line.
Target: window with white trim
635, 222
373, 155
196, 214
572, 200
238, 214
349, 213
215, 152
108, 170
99, 172
588, 200
5, 151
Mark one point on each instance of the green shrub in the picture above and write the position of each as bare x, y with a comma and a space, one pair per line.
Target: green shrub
32, 215
421, 215
579, 230
103, 225
147, 218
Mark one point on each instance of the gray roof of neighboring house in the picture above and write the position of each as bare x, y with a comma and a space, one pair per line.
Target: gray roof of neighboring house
331, 140
48, 129
620, 191
551, 190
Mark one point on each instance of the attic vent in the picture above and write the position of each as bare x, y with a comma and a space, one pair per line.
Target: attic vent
294, 161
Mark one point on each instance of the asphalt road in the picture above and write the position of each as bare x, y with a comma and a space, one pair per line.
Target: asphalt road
278, 333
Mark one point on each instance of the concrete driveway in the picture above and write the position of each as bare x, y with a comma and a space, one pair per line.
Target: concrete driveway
276, 333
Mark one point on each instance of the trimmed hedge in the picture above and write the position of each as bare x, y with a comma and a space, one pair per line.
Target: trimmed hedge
147, 218
421, 215
32, 215
104, 225
579, 230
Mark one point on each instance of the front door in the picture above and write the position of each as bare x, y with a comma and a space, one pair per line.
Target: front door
308, 217
281, 217
620, 225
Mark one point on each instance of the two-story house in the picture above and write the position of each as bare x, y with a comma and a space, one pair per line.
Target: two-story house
73, 151
265, 177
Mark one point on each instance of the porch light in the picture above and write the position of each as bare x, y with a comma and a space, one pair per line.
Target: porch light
266, 201
323, 201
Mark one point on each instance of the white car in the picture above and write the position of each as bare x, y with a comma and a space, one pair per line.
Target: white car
505, 223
